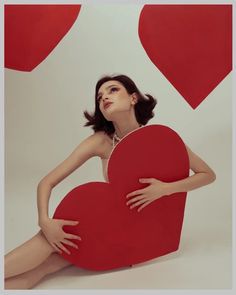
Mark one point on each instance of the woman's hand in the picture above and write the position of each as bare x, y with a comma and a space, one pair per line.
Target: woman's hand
145, 196
53, 231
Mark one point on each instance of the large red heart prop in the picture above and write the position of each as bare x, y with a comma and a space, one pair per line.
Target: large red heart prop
112, 235
190, 44
33, 31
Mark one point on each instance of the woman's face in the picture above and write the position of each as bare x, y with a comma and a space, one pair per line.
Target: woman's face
113, 98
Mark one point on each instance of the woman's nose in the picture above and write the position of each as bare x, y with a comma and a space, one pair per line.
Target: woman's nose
105, 98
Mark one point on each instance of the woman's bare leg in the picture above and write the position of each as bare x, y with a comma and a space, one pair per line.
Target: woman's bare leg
30, 278
28, 255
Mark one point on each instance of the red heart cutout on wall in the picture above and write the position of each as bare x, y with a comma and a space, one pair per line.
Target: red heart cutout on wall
112, 235
33, 31
190, 44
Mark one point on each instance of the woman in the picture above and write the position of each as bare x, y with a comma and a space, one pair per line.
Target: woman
119, 109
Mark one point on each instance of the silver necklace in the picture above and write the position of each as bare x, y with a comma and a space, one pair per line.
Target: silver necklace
116, 138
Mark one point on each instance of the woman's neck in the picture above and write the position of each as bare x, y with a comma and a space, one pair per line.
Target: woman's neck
124, 127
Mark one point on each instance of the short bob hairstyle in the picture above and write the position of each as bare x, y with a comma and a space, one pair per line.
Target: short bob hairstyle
143, 108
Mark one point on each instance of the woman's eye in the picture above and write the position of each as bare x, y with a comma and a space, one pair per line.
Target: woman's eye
113, 88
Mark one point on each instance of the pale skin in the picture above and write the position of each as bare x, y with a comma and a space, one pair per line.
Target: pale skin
26, 265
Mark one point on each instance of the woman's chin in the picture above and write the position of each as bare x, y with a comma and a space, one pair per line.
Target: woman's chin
109, 116
113, 115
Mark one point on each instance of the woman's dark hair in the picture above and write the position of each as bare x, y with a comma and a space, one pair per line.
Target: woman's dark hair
143, 108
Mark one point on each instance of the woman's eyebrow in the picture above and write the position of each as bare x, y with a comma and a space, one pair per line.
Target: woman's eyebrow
107, 88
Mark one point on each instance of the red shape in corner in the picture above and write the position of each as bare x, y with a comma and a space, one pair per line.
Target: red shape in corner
190, 44
112, 235
33, 31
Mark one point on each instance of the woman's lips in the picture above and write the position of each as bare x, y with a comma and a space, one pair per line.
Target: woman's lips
107, 105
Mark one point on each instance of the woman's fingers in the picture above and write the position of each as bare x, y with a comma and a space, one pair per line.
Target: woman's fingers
56, 248
70, 222
144, 205
138, 192
69, 243
138, 203
73, 237
59, 245
135, 199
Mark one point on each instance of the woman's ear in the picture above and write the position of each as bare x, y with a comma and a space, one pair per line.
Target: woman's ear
134, 98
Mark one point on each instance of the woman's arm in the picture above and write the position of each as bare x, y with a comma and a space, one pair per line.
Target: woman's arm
53, 228
203, 175
88, 148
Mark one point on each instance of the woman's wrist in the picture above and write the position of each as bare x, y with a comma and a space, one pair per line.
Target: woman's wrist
43, 220
170, 188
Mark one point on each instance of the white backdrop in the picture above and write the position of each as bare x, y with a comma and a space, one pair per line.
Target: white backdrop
44, 123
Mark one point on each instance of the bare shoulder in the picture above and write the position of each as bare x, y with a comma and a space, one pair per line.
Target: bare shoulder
100, 142
99, 137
